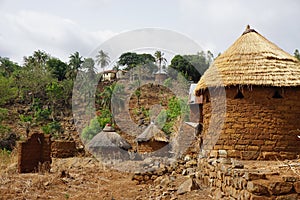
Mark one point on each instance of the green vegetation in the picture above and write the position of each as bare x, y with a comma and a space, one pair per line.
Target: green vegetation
191, 66
167, 118
45, 84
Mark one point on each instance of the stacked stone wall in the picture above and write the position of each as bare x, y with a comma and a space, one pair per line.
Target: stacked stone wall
244, 180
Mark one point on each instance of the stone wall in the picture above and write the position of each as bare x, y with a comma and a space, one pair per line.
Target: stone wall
257, 125
244, 180
34, 153
63, 149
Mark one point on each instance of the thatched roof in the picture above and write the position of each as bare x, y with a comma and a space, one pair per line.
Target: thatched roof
152, 132
108, 139
252, 60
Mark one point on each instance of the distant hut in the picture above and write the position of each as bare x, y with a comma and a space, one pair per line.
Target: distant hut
152, 139
262, 85
109, 145
195, 104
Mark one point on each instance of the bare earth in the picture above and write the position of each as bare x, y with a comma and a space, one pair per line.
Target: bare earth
84, 178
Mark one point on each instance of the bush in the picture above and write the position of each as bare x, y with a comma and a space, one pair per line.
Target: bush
176, 107
53, 128
90, 131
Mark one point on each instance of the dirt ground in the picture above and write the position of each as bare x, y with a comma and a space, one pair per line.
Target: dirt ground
81, 178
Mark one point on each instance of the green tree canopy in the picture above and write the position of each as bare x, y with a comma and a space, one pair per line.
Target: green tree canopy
191, 66
131, 59
75, 64
7, 67
57, 68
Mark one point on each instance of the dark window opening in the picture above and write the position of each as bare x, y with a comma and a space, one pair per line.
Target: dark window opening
277, 95
239, 95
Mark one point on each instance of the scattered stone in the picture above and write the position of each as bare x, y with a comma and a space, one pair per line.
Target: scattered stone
188, 186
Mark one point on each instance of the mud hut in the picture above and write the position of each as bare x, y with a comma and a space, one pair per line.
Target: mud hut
151, 140
109, 145
262, 86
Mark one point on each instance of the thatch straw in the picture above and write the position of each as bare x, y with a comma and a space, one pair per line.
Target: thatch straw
252, 60
152, 132
108, 139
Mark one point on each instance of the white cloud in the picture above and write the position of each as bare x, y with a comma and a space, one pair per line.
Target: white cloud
219, 23
28, 31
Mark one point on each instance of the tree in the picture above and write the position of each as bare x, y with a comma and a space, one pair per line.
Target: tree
191, 66
89, 65
57, 68
39, 58
131, 60
159, 59
297, 54
7, 91
75, 64
102, 59
7, 67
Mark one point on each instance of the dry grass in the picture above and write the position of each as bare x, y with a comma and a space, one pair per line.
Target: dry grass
8, 161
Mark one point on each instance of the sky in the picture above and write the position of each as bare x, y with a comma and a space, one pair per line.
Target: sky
62, 27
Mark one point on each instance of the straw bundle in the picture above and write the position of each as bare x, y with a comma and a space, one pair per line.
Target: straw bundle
252, 60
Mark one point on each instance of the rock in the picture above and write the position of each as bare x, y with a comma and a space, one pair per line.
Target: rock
288, 197
187, 186
257, 188
278, 188
297, 187
250, 176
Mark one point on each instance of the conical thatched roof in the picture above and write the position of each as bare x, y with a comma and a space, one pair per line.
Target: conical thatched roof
152, 132
108, 139
252, 60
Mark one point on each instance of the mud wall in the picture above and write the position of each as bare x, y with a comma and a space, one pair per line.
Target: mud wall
262, 123
34, 153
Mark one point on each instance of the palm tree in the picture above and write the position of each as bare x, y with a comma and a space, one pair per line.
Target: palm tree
159, 56
102, 59
75, 63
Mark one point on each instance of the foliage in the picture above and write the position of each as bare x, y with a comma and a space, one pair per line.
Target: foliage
54, 128
297, 54
168, 82
7, 67
7, 91
96, 125
57, 68
167, 118
131, 60
191, 66
160, 59
89, 65
24, 118
90, 131
75, 64
102, 59
3, 115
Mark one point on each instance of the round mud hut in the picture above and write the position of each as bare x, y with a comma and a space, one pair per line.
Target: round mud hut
262, 101
151, 140
109, 145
